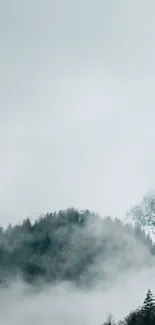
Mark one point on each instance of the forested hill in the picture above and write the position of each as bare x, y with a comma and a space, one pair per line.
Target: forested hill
71, 246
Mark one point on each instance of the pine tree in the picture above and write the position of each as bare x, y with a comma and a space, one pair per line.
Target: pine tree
149, 302
134, 318
148, 308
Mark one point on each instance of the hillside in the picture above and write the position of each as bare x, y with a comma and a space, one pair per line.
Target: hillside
74, 246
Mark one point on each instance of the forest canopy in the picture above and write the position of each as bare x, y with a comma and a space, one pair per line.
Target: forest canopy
71, 245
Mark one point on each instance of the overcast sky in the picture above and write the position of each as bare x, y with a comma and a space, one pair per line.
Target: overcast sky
77, 105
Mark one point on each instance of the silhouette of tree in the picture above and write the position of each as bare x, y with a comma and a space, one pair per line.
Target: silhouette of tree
110, 320
134, 318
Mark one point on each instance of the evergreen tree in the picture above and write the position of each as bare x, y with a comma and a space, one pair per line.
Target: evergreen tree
134, 318
149, 302
148, 309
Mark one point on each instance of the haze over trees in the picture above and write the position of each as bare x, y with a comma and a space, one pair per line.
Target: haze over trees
71, 245
78, 248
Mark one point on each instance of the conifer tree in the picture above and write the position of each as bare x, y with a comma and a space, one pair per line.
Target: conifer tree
134, 318
149, 302
148, 308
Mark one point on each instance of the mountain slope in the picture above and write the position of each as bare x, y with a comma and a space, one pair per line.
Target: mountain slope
74, 246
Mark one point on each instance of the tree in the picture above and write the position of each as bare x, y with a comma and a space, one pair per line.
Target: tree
148, 308
134, 318
110, 320
149, 302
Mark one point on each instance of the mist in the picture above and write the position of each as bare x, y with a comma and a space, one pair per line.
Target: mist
77, 129
77, 106
64, 304
115, 289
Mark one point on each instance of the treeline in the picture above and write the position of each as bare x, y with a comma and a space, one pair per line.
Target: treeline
144, 315
69, 246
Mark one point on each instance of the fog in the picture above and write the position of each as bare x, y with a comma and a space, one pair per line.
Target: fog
77, 105
115, 289
76, 129
65, 304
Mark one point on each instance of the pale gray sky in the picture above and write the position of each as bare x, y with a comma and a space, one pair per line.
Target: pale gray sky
77, 105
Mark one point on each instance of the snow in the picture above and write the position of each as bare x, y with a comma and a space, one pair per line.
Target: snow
148, 228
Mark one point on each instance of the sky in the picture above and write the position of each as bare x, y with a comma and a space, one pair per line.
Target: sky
76, 105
